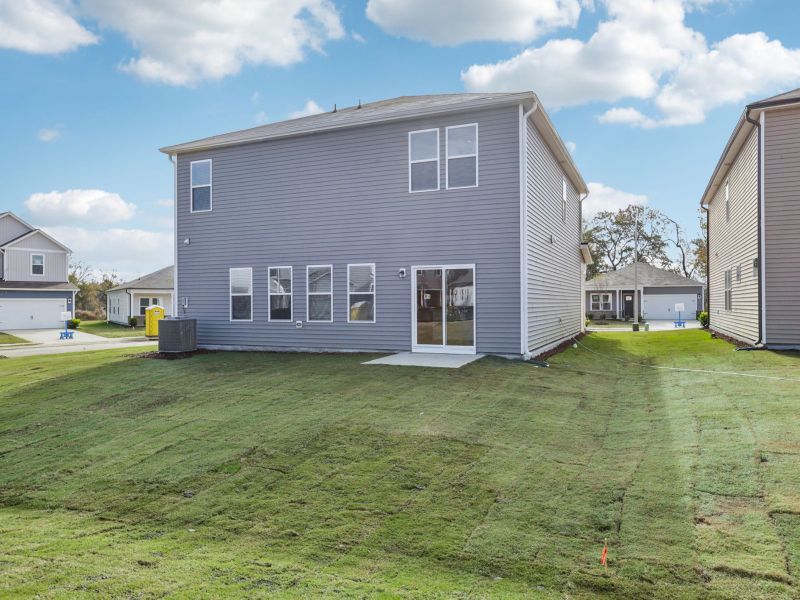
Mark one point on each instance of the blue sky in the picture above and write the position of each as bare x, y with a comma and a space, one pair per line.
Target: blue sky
647, 91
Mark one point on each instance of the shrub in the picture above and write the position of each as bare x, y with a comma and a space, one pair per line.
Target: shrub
703, 318
590, 316
91, 315
587, 322
132, 321
73, 323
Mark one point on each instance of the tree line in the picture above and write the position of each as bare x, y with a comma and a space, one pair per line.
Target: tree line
90, 299
611, 236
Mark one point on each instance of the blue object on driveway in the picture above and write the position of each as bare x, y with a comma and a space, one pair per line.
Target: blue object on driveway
66, 334
680, 322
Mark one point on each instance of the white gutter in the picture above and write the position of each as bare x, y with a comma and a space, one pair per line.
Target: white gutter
173, 158
763, 260
523, 226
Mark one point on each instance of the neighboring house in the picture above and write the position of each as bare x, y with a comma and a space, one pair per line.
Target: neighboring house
447, 223
610, 295
133, 297
34, 283
752, 202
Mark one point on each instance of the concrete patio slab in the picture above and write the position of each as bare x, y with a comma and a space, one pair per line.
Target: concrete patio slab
426, 359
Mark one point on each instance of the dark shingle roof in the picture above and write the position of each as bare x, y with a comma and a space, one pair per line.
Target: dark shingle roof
786, 96
648, 276
158, 280
38, 285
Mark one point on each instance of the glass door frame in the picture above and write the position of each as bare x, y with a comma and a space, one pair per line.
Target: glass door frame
443, 348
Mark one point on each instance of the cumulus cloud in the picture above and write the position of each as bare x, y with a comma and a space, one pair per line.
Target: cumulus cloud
183, 42
602, 197
644, 50
451, 22
571, 146
48, 134
41, 27
310, 108
111, 249
79, 206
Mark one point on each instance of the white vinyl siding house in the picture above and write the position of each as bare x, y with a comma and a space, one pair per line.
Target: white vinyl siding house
132, 298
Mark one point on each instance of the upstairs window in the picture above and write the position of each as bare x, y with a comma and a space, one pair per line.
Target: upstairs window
423, 160
201, 185
241, 291
319, 293
37, 264
728, 199
361, 293
280, 293
462, 156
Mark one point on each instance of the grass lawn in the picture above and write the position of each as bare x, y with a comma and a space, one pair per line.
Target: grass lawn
7, 338
253, 475
110, 330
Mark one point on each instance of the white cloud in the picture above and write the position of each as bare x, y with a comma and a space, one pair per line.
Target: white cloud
41, 27
602, 197
166, 202
645, 50
183, 42
451, 22
261, 117
79, 206
571, 146
357, 37
310, 108
111, 249
48, 134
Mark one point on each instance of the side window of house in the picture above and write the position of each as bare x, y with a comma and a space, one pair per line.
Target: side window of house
241, 294
563, 200
280, 293
144, 303
728, 199
361, 293
728, 290
423, 160
201, 185
601, 301
462, 156
37, 264
319, 293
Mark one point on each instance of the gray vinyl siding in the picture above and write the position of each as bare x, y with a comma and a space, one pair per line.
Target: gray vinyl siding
10, 229
342, 197
734, 242
554, 264
18, 265
782, 225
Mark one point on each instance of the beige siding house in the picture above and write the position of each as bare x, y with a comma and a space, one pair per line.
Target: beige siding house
753, 207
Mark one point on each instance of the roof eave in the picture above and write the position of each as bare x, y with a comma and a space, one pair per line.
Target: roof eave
511, 99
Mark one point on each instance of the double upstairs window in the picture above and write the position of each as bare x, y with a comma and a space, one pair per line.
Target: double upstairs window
461, 156
200, 185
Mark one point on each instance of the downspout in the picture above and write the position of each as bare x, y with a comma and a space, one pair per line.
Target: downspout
174, 161
707, 298
523, 225
759, 217
130, 304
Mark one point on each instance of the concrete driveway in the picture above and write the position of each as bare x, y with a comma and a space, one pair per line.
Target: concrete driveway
45, 341
655, 325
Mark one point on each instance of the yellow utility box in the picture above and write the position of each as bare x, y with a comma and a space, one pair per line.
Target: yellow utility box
152, 315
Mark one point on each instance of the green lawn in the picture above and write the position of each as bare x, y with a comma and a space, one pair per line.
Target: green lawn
7, 338
110, 330
253, 475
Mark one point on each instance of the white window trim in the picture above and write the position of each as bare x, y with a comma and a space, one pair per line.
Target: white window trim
309, 294
564, 199
43, 265
728, 199
231, 295
210, 186
605, 298
374, 292
411, 162
270, 294
447, 158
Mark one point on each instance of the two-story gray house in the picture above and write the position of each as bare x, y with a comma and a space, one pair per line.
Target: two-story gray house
445, 223
752, 201
34, 284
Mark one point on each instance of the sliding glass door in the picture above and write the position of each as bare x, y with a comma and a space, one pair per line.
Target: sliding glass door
444, 309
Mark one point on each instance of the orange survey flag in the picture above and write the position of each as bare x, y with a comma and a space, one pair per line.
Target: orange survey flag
604, 555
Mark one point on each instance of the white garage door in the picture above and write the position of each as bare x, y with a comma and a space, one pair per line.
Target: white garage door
44, 313
658, 306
